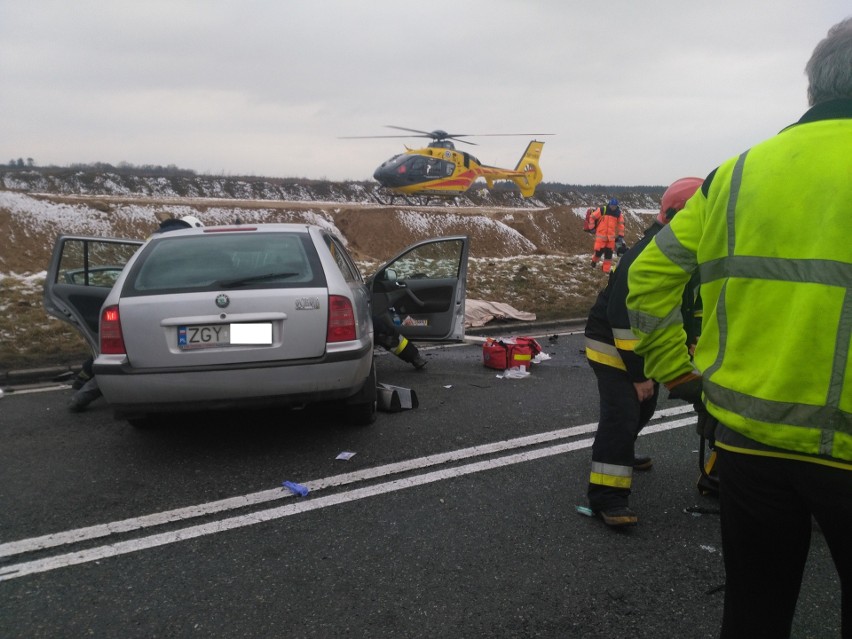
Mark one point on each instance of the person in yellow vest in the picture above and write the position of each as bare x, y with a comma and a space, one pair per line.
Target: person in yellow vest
774, 363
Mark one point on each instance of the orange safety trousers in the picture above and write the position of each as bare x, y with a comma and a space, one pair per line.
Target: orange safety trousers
603, 248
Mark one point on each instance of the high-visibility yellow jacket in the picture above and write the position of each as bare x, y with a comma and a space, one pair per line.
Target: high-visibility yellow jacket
608, 337
775, 345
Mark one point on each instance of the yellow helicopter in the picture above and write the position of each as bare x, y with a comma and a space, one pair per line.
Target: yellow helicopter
439, 170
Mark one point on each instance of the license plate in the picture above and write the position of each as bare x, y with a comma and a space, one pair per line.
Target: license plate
219, 335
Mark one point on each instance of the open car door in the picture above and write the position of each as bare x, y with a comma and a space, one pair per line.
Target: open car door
81, 274
422, 290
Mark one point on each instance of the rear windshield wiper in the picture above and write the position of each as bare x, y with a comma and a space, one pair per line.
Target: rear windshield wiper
255, 278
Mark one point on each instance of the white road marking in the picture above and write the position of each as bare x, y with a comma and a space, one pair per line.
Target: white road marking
14, 571
157, 519
39, 389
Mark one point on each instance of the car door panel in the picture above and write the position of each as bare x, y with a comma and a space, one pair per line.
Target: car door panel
80, 275
424, 288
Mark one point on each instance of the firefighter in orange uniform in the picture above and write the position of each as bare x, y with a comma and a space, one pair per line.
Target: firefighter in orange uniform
609, 231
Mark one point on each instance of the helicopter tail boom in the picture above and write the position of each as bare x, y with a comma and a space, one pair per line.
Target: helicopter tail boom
528, 165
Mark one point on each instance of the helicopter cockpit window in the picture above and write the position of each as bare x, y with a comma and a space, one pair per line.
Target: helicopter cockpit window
395, 160
427, 167
417, 166
438, 168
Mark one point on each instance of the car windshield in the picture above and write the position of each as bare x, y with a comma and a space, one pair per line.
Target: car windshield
247, 259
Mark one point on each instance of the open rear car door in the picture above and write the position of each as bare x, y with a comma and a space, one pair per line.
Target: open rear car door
81, 274
422, 290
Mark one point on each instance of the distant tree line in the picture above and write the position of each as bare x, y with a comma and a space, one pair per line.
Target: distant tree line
124, 168
20, 163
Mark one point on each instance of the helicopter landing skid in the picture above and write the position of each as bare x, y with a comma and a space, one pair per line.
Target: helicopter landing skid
385, 200
389, 199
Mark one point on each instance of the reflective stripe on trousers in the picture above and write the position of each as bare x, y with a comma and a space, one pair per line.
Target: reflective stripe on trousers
611, 475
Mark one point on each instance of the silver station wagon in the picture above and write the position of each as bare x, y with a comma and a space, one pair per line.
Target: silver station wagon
246, 315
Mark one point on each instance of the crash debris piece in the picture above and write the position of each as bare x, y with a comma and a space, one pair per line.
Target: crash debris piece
393, 399
296, 489
514, 373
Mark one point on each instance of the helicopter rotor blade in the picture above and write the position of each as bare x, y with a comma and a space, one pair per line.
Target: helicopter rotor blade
370, 137
496, 135
427, 134
373, 137
438, 135
443, 135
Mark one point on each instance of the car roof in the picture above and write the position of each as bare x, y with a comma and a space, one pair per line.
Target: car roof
279, 227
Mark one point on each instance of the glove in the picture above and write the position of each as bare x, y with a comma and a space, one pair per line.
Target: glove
706, 426
686, 387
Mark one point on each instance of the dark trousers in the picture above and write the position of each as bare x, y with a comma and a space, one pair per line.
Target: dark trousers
622, 416
766, 507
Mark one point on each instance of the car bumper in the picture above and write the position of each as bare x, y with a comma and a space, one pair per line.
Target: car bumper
131, 391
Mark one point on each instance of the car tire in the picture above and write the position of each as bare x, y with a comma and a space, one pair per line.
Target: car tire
361, 409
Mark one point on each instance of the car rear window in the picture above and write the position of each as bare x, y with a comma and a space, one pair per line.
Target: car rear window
220, 261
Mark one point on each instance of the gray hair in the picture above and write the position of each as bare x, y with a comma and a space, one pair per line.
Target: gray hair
829, 70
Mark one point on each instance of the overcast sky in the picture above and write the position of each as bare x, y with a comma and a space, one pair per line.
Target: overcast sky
634, 92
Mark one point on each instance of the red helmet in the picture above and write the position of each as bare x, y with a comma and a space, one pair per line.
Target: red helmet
675, 197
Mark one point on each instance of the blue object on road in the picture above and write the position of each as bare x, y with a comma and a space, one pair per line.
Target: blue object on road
296, 489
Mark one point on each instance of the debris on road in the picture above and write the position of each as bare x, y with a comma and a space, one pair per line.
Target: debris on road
296, 489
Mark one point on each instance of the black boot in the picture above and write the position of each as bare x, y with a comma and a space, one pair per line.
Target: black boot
411, 355
84, 375
84, 396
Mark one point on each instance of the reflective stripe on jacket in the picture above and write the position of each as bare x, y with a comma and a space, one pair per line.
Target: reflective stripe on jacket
609, 338
775, 345
609, 223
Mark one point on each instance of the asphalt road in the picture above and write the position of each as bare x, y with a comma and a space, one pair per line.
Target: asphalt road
455, 519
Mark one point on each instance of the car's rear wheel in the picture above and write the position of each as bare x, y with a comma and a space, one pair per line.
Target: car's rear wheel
361, 409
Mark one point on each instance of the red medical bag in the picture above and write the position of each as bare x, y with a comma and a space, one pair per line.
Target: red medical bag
509, 353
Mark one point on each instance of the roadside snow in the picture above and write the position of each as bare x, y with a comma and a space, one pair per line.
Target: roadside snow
72, 218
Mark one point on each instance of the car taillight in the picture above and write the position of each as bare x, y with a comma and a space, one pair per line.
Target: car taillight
341, 320
112, 341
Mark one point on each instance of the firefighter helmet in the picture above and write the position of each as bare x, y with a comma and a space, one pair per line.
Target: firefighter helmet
675, 197
192, 221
